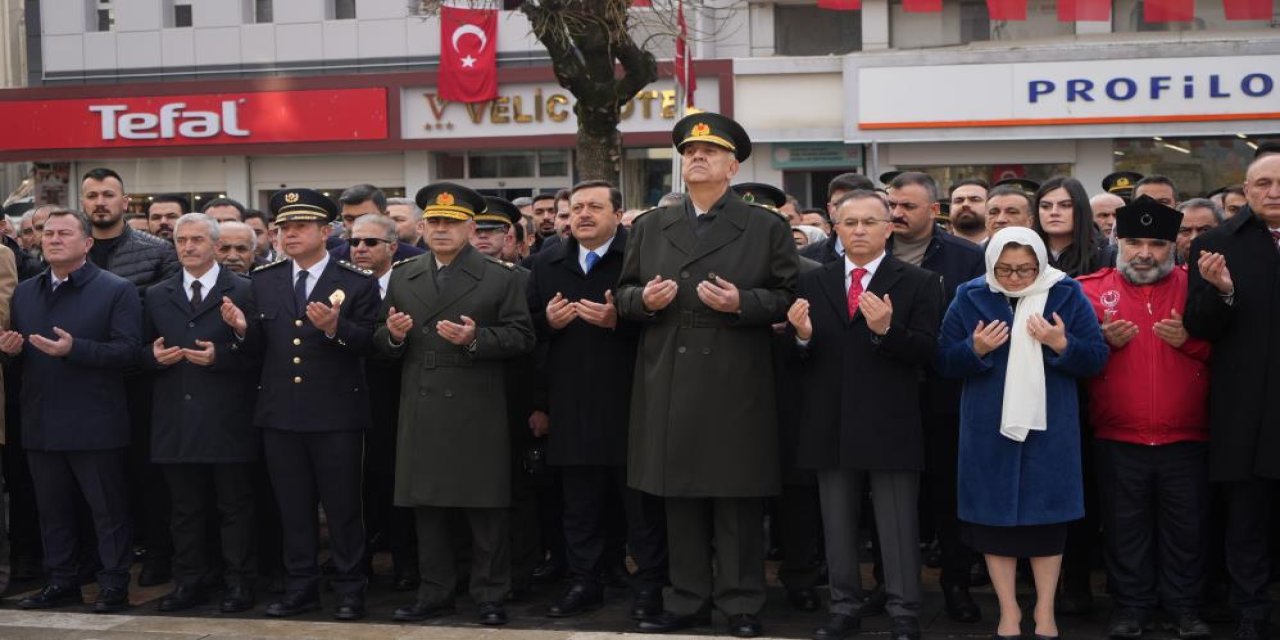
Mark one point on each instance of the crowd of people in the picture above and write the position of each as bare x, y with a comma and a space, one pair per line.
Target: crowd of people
504, 393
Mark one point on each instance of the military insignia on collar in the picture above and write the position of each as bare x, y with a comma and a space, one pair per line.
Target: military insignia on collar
445, 199
291, 197
700, 130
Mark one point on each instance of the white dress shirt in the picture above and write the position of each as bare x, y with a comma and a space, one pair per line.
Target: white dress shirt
600, 251
207, 281
383, 281
313, 273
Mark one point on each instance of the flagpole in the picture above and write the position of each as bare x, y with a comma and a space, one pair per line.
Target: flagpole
677, 181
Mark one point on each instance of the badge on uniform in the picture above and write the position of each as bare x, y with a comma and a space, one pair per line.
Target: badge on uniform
337, 297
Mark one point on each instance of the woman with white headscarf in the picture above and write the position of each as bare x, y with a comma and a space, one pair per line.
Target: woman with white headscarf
806, 235
1020, 336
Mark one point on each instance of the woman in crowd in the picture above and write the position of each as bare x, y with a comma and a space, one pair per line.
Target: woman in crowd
1020, 336
1064, 221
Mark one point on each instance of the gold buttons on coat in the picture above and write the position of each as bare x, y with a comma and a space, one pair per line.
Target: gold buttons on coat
297, 380
297, 341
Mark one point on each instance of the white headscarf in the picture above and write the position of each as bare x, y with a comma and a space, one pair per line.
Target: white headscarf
1024, 407
814, 234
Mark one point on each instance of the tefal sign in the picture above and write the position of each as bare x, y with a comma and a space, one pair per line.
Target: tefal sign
194, 120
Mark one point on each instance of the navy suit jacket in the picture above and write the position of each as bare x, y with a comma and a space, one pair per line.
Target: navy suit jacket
311, 382
77, 402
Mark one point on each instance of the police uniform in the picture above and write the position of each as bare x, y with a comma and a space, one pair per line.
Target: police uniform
313, 407
453, 444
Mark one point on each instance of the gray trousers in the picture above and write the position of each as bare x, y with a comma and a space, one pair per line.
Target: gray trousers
726, 532
490, 553
894, 498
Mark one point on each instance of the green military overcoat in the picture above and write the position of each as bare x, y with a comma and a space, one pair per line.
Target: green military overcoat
453, 443
703, 418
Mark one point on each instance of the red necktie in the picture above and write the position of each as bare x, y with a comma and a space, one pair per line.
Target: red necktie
855, 289
1275, 237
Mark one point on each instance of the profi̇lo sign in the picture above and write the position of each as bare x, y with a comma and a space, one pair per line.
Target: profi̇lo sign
1121, 88
172, 121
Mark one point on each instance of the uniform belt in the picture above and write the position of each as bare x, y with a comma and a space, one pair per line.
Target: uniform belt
702, 320
434, 360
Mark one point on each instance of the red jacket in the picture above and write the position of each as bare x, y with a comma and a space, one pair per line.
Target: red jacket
1149, 393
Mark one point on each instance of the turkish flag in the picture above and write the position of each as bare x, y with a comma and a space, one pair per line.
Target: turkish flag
922, 6
1007, 9
468, 60
683, 63
1169, 10
1084, 10
840, 5
1247, 9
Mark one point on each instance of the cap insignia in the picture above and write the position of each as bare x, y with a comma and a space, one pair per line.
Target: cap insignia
291, 197
445, 199
700, 130
1122, 182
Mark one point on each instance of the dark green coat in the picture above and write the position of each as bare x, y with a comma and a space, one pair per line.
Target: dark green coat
453, 444
703, 416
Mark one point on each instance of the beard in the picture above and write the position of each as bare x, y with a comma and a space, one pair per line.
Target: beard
105, 219
968, 222
1132, 274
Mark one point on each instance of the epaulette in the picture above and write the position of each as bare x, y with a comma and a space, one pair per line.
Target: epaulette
510, 266
408, 260
270, 265
351, 267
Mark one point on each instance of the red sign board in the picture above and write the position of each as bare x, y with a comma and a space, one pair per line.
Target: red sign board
195, 120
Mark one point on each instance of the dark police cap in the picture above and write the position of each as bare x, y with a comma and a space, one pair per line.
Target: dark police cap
302, 205
1121, 183
1029, 187
761, 193
449, 200
712, 128
888, 176
498, 214
1146, 218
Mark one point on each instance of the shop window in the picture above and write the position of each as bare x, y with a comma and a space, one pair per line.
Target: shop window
104, 15
551, 163
344, 9
451, 166
1196, 165
968, 21
646, 177
1127, 17
181, 15
263, 11
811, 31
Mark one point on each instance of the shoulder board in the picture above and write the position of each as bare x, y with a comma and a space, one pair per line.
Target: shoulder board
408, 260
509, 266
270, 265
351, 267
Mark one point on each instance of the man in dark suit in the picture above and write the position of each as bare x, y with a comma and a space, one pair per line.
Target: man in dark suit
202, 430
831, 249
358, 201
590, 362
455, 318
78, 329
708, 278
867, 326
1231, 301
313, 324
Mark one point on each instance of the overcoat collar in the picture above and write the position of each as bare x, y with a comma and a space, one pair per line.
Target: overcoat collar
887, 275
465, 273
677, 226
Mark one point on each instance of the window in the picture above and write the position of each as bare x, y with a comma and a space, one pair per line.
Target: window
106, 19
344, 9
810, 31
969, 21
1196, 165
181, 15
263, 12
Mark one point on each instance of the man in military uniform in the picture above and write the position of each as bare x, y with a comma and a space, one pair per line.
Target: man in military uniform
708, 277
455, 317
313, 325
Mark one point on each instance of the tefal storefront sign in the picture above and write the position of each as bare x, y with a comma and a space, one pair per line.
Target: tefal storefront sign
194, 120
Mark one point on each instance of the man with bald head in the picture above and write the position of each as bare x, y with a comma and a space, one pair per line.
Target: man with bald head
1104, 207
237, 244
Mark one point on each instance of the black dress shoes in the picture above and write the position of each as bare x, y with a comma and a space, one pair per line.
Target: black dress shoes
804, 599
905, 628
646, 604
1126, 623
350, 607
111, 600
960, 605
419, 611
492, 613
745, 625
294, 603
667, 622
183, 597
548, 572
155, 571
237, 598
53, 595
580, 598
1253, 629
838, 627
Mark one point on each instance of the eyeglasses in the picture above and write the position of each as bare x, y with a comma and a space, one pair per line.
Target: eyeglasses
368, 242
1023, 272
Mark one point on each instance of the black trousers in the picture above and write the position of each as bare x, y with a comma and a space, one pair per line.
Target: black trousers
319, 468
100, 476
490, 576
1155, 512
148, 495
1083, 535
726, 532
1248, 539
198, 492
942, 450
386, 523
268, 533
799, 536
589, 492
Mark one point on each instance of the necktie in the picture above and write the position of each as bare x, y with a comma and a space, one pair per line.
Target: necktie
300, 292
855, 290
592, 259
54, 283
196, 298
1275, 237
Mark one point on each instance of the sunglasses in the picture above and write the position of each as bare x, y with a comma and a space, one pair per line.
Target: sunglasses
368, 242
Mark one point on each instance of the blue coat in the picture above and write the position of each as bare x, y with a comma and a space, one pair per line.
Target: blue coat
1002, 482
77, 403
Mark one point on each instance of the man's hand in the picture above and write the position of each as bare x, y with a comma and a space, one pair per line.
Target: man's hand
460, 334
1171, 330
399, 324
601, 315
324, 317
877, 311
989, 337
560, 312
658, 293
56, 348
1047, 333
1213, 268
234, 317
1118, 333
720, 295
11, 342
201, 357
166, 356
539, 423
798, 316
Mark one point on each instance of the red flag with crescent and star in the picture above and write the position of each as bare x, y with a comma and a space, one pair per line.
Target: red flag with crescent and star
468, 60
